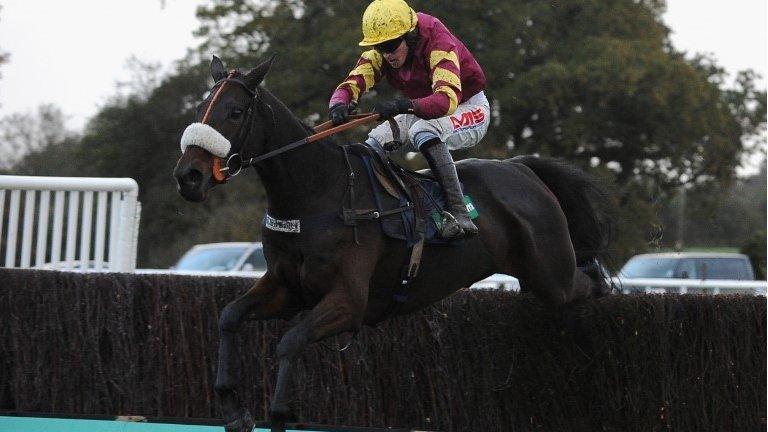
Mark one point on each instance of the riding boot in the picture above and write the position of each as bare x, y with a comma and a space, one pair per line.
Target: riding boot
456, 221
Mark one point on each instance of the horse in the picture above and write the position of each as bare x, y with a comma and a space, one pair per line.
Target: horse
539, 220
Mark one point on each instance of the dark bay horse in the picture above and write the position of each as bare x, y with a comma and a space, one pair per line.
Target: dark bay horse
539, 221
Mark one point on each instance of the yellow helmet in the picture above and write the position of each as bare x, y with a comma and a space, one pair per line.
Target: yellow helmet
385, 20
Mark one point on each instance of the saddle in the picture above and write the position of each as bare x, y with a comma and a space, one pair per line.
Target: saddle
420, 201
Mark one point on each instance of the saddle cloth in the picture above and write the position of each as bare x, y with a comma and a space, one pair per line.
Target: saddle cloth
421, 191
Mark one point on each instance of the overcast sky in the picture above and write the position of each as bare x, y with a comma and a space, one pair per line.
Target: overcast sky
71, 53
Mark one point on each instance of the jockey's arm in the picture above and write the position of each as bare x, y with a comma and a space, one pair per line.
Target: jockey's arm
362, 78
446, 85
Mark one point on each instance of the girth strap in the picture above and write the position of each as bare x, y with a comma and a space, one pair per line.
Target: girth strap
411, 269
351, 215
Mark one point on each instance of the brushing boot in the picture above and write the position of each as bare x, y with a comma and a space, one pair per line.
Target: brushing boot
456, 221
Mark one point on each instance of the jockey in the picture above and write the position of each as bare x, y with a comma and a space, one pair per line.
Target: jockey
444, 107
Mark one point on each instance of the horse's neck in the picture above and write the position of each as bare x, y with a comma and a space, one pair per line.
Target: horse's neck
303, 181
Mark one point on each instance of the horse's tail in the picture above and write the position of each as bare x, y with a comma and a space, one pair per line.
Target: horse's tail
585, 203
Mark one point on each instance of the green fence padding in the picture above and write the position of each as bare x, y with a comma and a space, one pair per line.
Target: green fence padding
36, 424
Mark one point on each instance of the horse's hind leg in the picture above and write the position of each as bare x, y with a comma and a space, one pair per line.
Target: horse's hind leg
264, 300
557, 283
551, 274
546, 264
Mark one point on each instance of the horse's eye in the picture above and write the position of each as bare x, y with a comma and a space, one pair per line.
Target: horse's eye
236, 114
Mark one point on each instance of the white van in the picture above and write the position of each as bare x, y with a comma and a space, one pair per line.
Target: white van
689, 265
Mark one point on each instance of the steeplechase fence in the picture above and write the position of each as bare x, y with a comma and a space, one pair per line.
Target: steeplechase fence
482, 360
67, 223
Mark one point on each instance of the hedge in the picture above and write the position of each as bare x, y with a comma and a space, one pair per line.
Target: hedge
481, 360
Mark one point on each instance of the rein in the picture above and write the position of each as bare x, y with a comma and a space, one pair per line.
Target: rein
235, 162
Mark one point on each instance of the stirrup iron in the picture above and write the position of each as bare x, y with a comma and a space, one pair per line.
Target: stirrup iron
451, 227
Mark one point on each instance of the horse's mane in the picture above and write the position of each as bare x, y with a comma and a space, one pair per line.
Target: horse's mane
307, 128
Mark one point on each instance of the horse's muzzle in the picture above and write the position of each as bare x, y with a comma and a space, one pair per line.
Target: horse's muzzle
191, 184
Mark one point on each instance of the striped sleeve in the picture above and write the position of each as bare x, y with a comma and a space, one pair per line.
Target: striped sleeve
446, 85
362, 78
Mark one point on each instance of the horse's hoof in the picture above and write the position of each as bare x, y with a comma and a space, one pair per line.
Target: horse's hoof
243, 424
277, 427
281, 415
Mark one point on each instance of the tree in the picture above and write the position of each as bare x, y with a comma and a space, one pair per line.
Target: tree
718, 215
24, 133
595, 82
592, 81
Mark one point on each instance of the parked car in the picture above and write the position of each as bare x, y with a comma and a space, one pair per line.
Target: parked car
223, 257
240, 258
689, 265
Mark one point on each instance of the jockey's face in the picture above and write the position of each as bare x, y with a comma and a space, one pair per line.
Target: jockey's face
396, 58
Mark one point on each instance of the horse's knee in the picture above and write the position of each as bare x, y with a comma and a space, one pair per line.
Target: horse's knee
230, 319
293, 342
339, 319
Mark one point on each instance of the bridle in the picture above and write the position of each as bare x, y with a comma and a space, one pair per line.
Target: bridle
235, 161
220, 174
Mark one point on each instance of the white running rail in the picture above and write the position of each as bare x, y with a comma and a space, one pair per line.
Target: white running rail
651, 286
68, 231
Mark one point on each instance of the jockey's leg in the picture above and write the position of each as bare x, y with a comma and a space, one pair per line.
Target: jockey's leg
457, 223
391, 135
464, 128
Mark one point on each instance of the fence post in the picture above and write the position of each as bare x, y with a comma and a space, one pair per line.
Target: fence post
127, 234
73, 201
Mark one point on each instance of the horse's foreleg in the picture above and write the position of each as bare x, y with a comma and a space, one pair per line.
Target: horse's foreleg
264, 300
335, 314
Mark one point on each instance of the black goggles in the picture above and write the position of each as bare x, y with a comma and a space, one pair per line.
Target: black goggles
389, 46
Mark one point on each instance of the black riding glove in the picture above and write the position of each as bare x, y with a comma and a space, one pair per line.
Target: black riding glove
339, 113
389, 109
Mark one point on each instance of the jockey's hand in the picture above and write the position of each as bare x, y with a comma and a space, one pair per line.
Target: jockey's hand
389, 109
339, 113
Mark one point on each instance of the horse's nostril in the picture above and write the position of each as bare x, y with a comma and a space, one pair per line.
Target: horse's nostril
191, 179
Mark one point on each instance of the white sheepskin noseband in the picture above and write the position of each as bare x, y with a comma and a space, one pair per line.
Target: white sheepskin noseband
206, 137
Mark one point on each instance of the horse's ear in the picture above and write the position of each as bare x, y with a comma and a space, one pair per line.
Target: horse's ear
217, 69
257, 74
